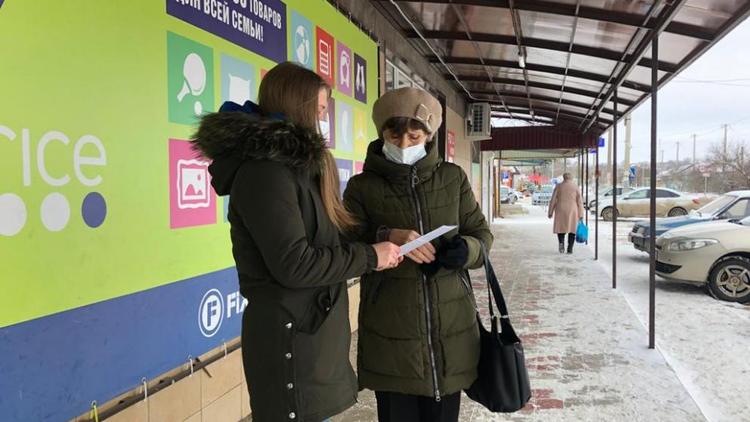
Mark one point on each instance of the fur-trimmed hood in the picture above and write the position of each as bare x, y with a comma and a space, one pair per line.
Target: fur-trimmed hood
230, 138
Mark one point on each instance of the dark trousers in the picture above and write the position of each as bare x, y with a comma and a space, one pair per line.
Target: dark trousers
396, 407
571, 239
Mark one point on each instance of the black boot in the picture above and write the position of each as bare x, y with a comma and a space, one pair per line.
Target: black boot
571, 242
561, 242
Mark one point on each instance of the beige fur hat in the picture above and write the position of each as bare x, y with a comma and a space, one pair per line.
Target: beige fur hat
414, 103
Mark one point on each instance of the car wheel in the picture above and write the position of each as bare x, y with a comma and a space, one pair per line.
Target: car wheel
608, 213
730, 279
677, 211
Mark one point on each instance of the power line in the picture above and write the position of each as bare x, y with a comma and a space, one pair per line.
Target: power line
723, 82
703, 132
718, 84
682, 79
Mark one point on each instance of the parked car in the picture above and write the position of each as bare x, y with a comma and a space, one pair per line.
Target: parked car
733, 205
507, 195
516, 193
604, 193
669, 203
529, 189
716, 254
543, 196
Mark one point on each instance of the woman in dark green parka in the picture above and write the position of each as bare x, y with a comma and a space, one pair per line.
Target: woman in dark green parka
418, 335
286, 220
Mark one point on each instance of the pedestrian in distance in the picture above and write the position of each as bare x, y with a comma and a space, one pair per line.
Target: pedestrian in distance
286, 219
567, 207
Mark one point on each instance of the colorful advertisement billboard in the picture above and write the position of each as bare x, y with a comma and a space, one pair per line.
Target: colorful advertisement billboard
115, 252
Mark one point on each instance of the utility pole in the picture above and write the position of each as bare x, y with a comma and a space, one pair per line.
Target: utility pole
724, 158
678, 153
628, 143
610, 149
554, 161
693, 148
661, 151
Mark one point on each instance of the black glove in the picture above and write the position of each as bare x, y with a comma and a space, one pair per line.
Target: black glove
451, 255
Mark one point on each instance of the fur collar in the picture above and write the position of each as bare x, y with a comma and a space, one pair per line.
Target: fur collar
246, 136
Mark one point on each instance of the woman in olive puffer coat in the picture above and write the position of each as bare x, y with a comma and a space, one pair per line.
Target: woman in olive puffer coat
418, 335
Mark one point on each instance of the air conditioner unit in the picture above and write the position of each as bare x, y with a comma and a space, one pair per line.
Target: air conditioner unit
478, 121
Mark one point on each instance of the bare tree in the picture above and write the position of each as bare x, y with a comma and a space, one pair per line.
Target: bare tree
734, 161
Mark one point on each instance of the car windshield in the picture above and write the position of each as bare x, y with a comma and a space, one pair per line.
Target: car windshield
716, 205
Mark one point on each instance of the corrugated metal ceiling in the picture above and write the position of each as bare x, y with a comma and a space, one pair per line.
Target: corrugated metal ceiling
575, 52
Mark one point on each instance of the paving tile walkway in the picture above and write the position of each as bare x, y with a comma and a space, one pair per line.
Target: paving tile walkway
586, 350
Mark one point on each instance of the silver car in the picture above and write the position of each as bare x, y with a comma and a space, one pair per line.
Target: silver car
716, 253
507, 195
604, 193
543, 196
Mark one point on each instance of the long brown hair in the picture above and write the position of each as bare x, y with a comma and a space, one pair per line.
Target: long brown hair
293, 90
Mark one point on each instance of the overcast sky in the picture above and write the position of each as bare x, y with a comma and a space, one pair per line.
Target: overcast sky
713, 91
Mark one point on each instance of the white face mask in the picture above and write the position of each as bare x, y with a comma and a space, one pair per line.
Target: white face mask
408, 155
325, 130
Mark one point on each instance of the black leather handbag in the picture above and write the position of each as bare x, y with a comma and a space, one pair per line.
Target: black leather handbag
502, 384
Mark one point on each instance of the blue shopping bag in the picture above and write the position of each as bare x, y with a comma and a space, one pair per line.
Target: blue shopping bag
582, 233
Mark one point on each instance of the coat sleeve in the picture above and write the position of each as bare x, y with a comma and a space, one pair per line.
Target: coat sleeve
265, 196
473, 226
364, 231
579, 203
552, 202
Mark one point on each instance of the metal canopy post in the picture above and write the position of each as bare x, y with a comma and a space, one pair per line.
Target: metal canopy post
587, 188
596, 214
583, 181
583, 178
613, 145
652, 238
580, 175
499, 184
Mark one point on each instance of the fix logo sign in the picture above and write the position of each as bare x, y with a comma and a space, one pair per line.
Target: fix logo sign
53, 160
215, 307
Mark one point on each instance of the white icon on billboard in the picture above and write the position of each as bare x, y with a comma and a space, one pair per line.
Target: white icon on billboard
325, 57
302, 40
344, 175
346, 132
192, 184
194, 80
345, 68
211, 313
345, 121
239, 89
359, 80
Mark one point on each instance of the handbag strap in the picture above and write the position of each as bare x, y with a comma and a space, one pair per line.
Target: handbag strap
493, 286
